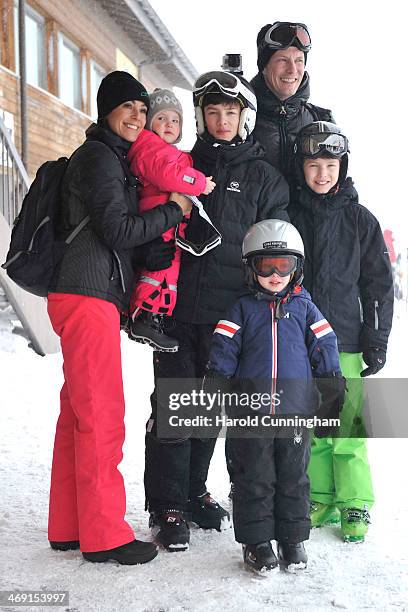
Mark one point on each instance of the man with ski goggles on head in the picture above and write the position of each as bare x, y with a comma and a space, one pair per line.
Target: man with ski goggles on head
248, 190
282, 89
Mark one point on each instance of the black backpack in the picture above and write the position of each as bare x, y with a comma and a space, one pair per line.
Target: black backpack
34, 250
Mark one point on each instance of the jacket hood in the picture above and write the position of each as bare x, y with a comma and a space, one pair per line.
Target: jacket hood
269, 104
228, 153
330, 202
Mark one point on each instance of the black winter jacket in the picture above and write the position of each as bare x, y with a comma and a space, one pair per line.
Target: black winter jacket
248, 190
347, 267
279, 121
97, 182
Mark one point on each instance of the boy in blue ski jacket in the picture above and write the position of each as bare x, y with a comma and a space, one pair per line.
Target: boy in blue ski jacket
272, 334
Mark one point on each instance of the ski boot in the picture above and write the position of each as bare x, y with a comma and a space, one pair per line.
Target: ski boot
323, 514
170, 530
292, 557
147, 328
205, 512
259, 558
354, 524
65, 545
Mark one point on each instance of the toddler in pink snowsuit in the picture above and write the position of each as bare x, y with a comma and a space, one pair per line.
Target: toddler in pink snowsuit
161, 168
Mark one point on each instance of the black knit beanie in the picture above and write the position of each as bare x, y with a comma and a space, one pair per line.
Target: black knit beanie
264, 51
118, 87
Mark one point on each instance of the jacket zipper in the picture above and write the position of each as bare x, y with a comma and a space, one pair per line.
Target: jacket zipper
283, 139
376, 315
361, 310
274, 369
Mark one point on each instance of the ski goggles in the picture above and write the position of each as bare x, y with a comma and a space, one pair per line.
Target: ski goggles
315, 144
227, 83
282, 265
283, 34
199, 249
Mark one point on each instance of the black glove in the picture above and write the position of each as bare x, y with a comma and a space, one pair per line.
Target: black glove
375, 359
332, 390
158, 254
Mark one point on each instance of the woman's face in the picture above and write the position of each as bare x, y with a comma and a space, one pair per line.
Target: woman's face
128, 119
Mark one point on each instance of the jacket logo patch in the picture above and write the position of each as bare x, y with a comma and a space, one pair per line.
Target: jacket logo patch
226, 328
286, 316
234, 186
189, 179
321, 328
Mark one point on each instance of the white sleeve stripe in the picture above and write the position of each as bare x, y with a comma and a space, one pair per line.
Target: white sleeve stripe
229, 324
224, 332
318, 323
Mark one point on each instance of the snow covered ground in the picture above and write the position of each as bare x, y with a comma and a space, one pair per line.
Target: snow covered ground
208, 577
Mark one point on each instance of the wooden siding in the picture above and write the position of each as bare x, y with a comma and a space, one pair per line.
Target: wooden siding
54, 129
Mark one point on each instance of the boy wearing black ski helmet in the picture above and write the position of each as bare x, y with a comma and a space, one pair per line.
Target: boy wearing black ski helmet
348, 274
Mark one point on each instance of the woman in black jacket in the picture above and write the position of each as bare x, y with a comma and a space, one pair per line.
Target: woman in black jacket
90, 287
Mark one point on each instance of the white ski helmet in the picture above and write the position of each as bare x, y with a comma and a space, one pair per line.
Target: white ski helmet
272, 237
230, 85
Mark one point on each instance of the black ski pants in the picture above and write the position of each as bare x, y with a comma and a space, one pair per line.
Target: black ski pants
271, 488
176, 470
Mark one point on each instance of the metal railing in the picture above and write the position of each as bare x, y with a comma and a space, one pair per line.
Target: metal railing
14, 181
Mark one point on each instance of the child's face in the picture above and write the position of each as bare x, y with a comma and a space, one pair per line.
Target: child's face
321, 173
166, 124
274, 282
222, 120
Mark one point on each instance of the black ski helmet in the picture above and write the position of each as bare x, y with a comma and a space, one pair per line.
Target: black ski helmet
321, 139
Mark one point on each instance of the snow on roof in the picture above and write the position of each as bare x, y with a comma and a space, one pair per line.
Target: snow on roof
138, 19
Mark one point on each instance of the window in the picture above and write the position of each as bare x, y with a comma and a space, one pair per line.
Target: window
97, 74
69, 73
35, 47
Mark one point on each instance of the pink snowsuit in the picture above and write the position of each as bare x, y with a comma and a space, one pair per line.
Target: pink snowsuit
161, 168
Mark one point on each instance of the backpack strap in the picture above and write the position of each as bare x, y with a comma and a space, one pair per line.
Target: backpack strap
78, 228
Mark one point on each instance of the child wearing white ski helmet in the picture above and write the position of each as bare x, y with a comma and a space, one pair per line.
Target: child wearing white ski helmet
248, 190
271, 335
348, 273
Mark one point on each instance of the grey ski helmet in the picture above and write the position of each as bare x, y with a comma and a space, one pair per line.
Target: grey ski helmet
233, 86
272, 237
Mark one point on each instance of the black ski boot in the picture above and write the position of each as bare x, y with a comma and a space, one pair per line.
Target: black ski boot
147, 328
132, 553
292, 557
66, 545
208, 514
170, 530
259, 558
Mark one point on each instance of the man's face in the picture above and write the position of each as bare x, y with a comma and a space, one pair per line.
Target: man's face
222, 120
284, 72
321, 173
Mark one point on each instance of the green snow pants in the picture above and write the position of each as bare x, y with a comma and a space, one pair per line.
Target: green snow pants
339, 471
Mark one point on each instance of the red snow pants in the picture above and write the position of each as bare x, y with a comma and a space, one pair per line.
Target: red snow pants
87, 496
157, 291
